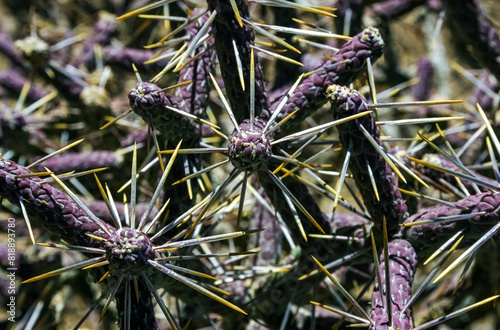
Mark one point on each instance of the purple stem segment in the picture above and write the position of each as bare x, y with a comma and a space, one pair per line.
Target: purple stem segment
428, 237
50, 206
346, 65
346, 102
403, 264
82, 161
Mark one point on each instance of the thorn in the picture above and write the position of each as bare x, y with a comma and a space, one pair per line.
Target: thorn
85, 209
194, 285
252, 86
343, 172
294, 200
160, 302
159, 188
377, 266
434, 199
205, 170
469, 251
41, 160
277, 56
125, 114
111, 208
110, 298
145, 8
133, 188
433, 273
281, 105
194, 42
242, 200
39, 103
65, 269
341, 312
371, 81
388, 293
344, 292
320, 127
310, 33
225, 103
454, 173
417, 121
26, 219
372, 180
236, 12
271, 36
456, 313
382, 153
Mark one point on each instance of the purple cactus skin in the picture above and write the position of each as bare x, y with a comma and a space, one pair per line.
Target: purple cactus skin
428, 237
146, 96
50, 206
249, 148
226, 29
350, 63
403, 264
82, 161
347, 102
128, 251
469, 22
149, 101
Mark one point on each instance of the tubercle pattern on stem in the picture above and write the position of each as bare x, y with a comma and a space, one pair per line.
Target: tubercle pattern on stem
427, 237
52, 207
403, 265
346, 102
149, 101
346, 65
